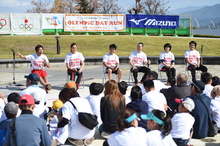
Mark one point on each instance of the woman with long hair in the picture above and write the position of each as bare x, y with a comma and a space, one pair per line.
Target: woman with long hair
128, 131
112, 104
160, 126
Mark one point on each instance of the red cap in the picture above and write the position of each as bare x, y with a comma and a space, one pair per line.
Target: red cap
26, 100
178, 100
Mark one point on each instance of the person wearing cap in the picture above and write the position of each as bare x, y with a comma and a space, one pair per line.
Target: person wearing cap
94, 99
72, 86
182, 122
201, 115
154, 99
160, 126
128, 133
40, 96
38, 61
75, 64
12, 97
215, 105
10, 110
111, 63
28, 126
192, 58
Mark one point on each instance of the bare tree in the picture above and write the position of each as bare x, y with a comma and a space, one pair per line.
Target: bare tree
109, 7
87, 6
155, 7
138, 8
40, 6
71, 6
60, 6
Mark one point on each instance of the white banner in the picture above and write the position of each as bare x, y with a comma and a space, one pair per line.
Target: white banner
94, 22
5, 23
26, 23
52, 21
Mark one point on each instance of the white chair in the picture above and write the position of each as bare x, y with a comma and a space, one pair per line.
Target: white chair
159, 71
104, 74
130, 77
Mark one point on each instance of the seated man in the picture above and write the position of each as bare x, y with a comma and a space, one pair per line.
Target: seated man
111, 63
38, 61
192, 57
73, 61
136, 60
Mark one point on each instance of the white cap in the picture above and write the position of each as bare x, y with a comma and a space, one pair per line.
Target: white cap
187, 102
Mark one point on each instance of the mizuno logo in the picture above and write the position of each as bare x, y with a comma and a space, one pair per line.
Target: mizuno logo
154, 22
137, 21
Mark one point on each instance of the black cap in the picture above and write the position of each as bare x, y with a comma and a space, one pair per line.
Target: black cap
32, 77
198, 84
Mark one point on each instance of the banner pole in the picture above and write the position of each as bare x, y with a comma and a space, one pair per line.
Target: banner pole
160, 32
130, 31
145, 32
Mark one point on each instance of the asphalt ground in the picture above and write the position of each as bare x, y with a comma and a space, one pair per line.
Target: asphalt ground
57, 77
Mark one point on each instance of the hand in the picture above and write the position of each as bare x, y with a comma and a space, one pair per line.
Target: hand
2, 96
197, 65
133, 68
148, 62
44, 60
18, 54
79, 71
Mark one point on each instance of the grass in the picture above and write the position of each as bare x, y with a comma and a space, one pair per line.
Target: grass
95, 45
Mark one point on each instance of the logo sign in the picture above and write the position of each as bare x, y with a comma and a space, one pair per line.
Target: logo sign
94, 22
152, 21
26, 26
53, 21
3, 22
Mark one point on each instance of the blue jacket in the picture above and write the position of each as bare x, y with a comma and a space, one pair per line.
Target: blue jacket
201, 125
30, 131
141, 107
3, 130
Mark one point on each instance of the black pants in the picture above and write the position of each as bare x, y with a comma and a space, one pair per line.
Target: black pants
193, 69
73, 74
143, 69
171, 72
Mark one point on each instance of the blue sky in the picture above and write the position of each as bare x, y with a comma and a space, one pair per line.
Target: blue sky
21, 6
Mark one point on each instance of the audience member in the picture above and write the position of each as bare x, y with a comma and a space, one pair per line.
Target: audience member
29, 126
10, 110
95, 99
180, 90
157, 83
182, 122
215, 81
192, 57
12, 97
201, 115
160, 126
215, 105
76, 133
112, 104
38, 61
206, 78
75, 64
122, 86
72, 85
154, 99
128, 132
139, 106
136, 60
111, 63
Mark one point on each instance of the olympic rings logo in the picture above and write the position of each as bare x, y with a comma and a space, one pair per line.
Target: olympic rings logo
26, 27
3, 22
